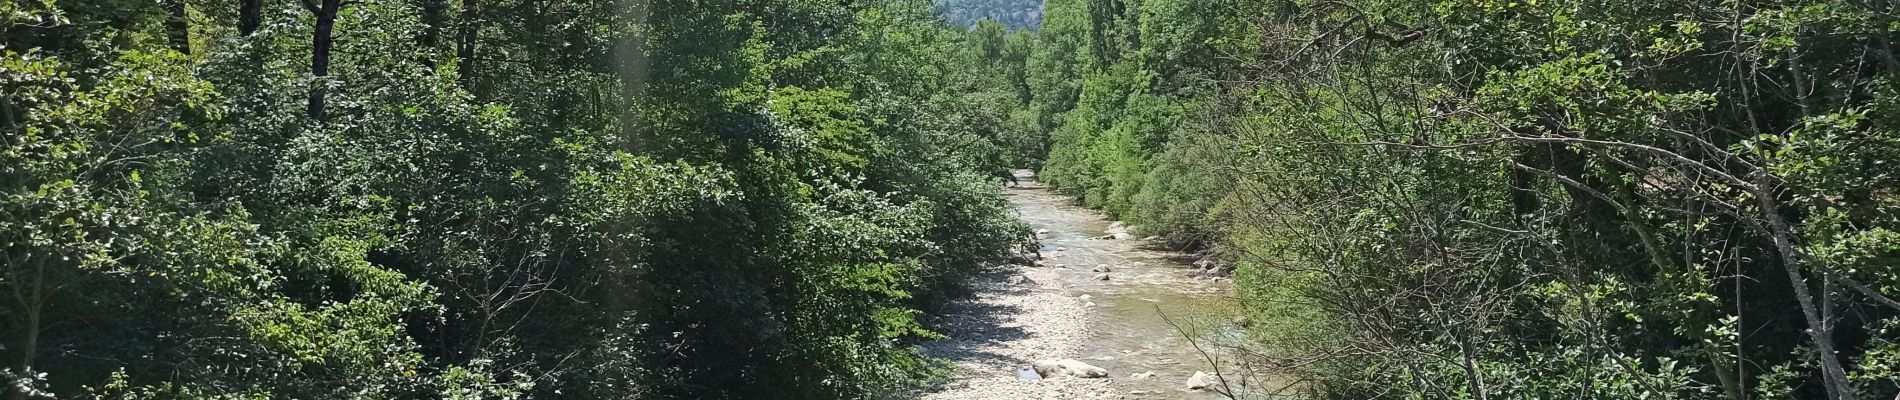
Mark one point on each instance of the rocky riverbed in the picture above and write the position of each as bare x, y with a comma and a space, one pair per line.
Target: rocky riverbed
1097, 298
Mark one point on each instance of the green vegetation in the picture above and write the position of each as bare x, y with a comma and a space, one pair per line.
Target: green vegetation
1507, 199
377, 199
434, 199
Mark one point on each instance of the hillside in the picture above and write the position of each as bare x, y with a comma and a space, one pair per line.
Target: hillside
1014, 13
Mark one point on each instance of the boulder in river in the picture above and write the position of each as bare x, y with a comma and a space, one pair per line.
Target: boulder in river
1201, 381
1040, 232
1102, 268
1068, 367
1216, 270
1101, 276
1142, 376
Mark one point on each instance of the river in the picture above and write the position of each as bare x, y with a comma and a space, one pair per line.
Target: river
1132, 323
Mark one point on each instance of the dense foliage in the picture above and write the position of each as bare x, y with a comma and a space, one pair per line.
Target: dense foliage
382, 199
1507, 199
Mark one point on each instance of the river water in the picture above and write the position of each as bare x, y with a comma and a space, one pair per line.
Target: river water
1147, 309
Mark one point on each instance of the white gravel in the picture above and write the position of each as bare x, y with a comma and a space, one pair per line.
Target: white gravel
1005, 327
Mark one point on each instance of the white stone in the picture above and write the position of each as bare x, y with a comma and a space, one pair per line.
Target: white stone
1201, 380
1068, 367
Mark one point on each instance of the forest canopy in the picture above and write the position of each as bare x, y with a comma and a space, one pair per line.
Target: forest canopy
1506, 199
469, 199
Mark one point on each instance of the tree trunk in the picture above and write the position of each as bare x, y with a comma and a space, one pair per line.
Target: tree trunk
465, 47
32, 306
1728, 375
6, 112
320, 57
433, 17
1822, 338
250, 16
177, 26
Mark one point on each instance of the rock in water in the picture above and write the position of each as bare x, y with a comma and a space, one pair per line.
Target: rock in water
1216, 270
1084, 370
1068, 367
1102, 268
1142, 376
1121, 236
1201, 381
1243, 321
1017, 280
1101, 276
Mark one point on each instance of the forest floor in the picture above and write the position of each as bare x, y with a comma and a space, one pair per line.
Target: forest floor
1133, 323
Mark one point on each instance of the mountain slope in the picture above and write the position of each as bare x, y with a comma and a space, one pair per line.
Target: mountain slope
1014, 13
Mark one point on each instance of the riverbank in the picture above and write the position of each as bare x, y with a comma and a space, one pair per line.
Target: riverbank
1019, 314
1128, 320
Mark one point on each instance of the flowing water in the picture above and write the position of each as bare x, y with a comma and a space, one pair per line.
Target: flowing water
1147, 309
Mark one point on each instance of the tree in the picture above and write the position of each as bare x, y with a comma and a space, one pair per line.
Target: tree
604, 200
322, 39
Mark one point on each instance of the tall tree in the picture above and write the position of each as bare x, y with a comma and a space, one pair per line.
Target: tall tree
466, 40
434, 16
321, 40
250, 16
178, 25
